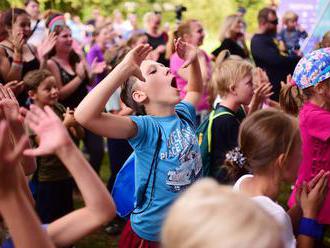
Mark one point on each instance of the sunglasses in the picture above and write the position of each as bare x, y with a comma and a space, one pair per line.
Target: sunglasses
274, 22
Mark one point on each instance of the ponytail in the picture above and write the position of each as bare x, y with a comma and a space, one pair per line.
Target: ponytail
291, 99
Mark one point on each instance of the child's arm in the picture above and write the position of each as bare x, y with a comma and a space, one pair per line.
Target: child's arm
10, 109
15, 208
99, 208
195, 81
90, 113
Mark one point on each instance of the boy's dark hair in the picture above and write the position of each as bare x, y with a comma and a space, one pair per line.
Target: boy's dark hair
26, 2
126, 96
34, 78
264, 13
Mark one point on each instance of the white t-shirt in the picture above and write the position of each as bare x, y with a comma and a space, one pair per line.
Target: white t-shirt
274, 210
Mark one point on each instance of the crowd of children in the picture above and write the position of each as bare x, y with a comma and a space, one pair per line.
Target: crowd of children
203, 116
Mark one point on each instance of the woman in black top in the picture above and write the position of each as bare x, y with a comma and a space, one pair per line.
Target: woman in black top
156, 39
232, 37
72, 76
16, 56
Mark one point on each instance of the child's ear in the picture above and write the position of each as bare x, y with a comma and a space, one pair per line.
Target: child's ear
139, 96
281, 161
232, 89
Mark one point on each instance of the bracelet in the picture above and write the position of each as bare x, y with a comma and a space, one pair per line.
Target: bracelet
311, 228
15, 64
19, 62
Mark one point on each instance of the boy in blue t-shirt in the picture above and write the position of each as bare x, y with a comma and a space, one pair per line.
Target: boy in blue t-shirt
151, 91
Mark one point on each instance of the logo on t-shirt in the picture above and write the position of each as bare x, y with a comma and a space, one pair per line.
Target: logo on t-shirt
183, 144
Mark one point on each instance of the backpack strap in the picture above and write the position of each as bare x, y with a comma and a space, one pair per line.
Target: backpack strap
152, 173
214, 115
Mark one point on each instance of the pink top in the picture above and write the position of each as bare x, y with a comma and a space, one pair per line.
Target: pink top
175, 64
314, 125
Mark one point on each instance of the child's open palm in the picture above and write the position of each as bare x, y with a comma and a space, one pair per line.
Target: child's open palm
186, 51
8, 104
50, 130
135, 57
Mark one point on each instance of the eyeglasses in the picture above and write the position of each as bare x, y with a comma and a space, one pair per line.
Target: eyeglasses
274, 22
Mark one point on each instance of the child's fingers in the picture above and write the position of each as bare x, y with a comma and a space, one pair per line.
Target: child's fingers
315, 179
186, 64
34, 152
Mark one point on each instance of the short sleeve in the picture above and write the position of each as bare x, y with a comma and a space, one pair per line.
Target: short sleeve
146, 131
187, 112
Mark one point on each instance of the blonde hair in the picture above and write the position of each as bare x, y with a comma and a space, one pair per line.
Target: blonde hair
325, 42
289, 16
210, 215
263, 137
228, 71
227, 26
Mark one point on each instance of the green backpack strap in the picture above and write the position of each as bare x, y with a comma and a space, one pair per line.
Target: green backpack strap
213, 115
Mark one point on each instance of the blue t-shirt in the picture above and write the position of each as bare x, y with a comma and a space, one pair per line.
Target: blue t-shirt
179, 165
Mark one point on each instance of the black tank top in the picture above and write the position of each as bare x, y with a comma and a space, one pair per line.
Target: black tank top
31, 65
78, 95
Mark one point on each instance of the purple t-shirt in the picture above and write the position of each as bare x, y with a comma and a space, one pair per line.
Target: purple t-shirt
95, 52
175, 64
314, 123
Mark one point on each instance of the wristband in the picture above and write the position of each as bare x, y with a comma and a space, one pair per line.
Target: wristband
311, 228
19, 62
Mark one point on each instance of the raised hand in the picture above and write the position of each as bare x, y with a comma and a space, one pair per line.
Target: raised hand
18, 43
81, 70
8, 104
50, 130
98, 67
134, 58
312, 198
16, 86
47, 45
186, 52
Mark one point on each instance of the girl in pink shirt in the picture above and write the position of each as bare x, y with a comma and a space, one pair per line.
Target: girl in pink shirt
312, 78
192, 32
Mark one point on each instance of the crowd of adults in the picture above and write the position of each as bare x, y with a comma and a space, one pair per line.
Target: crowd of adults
80, 55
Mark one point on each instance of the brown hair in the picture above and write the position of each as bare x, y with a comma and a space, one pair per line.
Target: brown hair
8, 18
126, 95
26, 2
292, 98
134, 39
263, 137
263, 14
34, 78
228, 71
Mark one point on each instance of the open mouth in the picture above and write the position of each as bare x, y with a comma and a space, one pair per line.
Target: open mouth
173, 83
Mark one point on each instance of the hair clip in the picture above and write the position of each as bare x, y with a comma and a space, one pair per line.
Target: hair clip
236, 156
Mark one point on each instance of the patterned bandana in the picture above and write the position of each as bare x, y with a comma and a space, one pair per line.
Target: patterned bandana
312, 69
